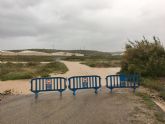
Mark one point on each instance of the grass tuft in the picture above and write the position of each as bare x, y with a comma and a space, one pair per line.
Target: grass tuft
147, 100
158, 113
100, 63
16, 75
155, 84
14, 71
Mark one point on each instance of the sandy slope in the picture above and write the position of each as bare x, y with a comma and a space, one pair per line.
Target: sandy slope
36, 53
75, 69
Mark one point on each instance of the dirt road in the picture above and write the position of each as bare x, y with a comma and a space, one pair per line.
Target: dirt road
85, 108
75, 68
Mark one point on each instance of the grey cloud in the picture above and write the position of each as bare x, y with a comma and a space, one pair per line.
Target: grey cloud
15, 20
73, 24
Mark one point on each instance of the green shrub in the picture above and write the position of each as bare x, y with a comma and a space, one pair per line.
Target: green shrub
152, 84
32, 64
9, 67
144, 57
100, 63
21, 58
45, 75
13, 71
16, 75
162, 94
54, 67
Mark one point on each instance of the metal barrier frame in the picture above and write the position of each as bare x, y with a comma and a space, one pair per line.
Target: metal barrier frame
41, 85
92, 82
123, 81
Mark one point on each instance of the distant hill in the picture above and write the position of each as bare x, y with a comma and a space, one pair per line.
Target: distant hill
37, 53
85, 52
117, 53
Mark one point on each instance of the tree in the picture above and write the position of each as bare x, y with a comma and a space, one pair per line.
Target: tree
144, 57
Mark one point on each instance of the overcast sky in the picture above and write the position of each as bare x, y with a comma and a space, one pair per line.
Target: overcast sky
104, 25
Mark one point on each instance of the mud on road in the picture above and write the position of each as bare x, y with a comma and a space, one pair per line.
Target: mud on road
85, 108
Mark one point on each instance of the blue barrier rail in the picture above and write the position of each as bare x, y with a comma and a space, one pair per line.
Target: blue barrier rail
84, 82
48, 84
123, 81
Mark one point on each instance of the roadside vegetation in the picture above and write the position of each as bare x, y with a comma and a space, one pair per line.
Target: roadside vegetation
157, 84
13, 71
144, 57
158, 114
97, 60
148, 59
102, 63
18, 58
90, 58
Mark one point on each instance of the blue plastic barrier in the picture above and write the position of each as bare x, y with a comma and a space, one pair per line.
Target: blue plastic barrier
123, 81
48, 84
84, 82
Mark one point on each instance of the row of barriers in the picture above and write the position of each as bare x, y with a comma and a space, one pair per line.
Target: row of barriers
83, 82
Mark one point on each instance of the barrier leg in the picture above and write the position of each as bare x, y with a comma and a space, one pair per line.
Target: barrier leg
60, 93
134, 90
36, 95
74, 92
111, 90
96, 91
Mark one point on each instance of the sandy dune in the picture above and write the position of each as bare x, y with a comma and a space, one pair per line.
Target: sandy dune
36, 53
75, 69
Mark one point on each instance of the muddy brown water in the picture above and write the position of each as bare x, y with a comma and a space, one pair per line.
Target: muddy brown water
75, 69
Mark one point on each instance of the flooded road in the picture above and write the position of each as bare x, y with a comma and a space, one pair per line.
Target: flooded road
75, 69
85, 108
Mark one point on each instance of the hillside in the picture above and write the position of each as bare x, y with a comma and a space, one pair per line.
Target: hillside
85, 52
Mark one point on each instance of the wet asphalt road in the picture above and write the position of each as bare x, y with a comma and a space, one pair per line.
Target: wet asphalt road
85, 108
